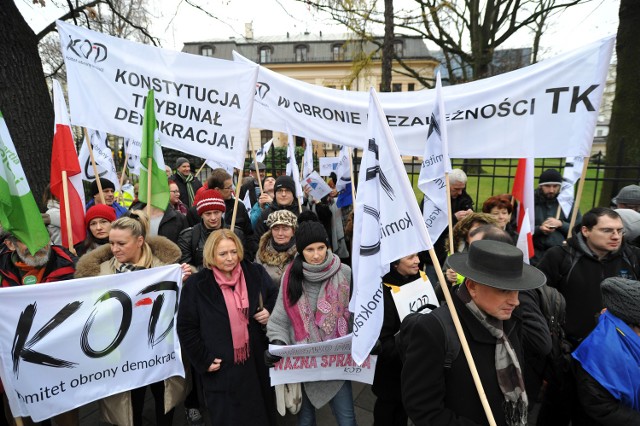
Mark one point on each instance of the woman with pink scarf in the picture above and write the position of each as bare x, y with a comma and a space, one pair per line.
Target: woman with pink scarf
312, 306
223, 309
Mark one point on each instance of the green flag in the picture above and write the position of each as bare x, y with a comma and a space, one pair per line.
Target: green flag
151, 150
19, 212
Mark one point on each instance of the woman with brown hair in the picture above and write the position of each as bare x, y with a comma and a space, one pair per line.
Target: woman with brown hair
222, 311
500, 207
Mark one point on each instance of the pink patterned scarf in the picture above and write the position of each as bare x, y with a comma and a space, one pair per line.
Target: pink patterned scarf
236, 298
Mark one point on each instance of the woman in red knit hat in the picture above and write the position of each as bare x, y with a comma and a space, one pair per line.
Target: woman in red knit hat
98, 222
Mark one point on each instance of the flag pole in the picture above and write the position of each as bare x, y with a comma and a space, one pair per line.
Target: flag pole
124, 171
200, 169
18, 421
576, 204
255, 163
461, 335
353, 182
67, 212
93, 163
558, 212
235, 205
447, 184
149, 165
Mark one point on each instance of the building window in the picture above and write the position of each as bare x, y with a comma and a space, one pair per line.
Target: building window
265, 136
411, 87
396, 87
338, 52
265, 54
299, 141
207, 50
398, 48
301, 53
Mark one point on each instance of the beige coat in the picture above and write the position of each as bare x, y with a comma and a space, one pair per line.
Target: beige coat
116, 409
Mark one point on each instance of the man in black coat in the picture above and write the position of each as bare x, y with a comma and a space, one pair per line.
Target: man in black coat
187, 183
437, 385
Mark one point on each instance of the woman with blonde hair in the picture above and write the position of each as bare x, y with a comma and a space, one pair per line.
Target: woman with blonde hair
130, 249
221, 316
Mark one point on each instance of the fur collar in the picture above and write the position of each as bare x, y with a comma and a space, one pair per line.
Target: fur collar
271, 257
162, 248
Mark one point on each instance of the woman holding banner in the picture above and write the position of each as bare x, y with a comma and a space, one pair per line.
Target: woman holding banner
130, 250
223, 309
312, 307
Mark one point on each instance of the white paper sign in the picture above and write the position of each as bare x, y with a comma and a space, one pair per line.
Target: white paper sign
319, 188
412, 296
203, 105
548, 109
330, 360
65, 344
328, 165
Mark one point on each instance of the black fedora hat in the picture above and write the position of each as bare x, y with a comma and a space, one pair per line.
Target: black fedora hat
497, 264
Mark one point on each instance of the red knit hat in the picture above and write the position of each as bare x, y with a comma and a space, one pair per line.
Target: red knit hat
103, 211
208, 200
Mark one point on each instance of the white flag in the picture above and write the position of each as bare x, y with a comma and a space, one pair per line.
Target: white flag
261, 154
247, 201
388, 226
218, 165
132, 150
343, 171
435, 163
571, 175
103, 156
292, 167
307, 160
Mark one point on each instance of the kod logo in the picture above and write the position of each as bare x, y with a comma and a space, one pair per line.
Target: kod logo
262, 89
86, 49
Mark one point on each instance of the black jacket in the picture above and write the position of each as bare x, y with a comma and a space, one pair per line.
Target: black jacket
579, 282
205, 334
433, 395
182, 186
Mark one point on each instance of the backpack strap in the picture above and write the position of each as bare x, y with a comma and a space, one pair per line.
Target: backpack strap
451, 342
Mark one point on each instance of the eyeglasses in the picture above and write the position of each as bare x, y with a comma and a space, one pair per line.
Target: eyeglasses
282, 191
610, 231
227, 188
175, 191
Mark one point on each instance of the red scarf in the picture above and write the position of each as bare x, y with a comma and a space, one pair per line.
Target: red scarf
234, 290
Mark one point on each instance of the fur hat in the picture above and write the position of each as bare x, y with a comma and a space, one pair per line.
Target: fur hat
208, 200
285, 182
621, 297
282, 217
496, 264
550, 177
105, 183
99, 210
180, 161
309, 233
630, 194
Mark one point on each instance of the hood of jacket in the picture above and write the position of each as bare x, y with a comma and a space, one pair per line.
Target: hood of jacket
162, 248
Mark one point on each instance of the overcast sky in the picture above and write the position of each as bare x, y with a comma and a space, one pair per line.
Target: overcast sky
176, 22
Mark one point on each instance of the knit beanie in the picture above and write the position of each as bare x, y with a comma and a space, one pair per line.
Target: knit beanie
105, 183
282, 217
285, 182
621, 297
180, 161
628, 195
208, 200
99, 210
550, 177
309, 233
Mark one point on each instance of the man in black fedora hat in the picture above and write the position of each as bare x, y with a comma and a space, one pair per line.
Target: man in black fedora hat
437, 385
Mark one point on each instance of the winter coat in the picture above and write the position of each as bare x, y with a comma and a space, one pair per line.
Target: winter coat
182, 186
580, 283
435, 395
237, 394
172, 223
545, 209
274, 263
60, 267
117, 409
53, 210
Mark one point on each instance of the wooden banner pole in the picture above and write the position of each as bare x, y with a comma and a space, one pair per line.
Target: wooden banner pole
576, 204
93, 163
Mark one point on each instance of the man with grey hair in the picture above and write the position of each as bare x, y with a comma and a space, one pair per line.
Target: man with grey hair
49, 264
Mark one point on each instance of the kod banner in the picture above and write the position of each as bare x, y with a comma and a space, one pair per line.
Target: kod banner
548, 109
203, 105
63, 345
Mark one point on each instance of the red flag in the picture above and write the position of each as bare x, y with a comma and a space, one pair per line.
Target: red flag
523, 192
64, 157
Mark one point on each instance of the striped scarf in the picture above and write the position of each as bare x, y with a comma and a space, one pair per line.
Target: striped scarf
188, 183
508, 367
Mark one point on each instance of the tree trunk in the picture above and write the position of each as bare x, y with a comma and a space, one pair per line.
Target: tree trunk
24, 97
387, 47
623, 142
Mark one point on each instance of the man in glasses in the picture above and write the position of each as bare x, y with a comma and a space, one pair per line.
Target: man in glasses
597, 250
